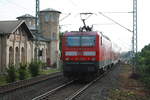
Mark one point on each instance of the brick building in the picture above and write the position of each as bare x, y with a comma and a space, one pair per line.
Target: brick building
20, 42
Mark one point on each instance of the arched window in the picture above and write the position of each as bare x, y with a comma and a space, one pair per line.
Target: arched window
11, 57
17, 56
22, 55
35, 53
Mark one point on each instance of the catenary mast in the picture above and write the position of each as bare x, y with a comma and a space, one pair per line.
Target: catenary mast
134, 38
37, 15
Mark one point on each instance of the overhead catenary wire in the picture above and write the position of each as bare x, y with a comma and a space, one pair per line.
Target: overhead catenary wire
124, 44
115, 21
65, 17
103, 24
118, 12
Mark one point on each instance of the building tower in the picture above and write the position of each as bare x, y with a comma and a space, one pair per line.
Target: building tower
49, 28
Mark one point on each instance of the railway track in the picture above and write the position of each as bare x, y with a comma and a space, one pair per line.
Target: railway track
48, 88
68, 91
27, 89
73, 96
24, 83
44, 96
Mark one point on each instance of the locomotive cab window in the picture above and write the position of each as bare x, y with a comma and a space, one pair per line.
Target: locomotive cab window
81, 41
88, 40
73, 41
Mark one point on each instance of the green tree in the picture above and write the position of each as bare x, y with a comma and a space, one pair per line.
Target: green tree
144, 64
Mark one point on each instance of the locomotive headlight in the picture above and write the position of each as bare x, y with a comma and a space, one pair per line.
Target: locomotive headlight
70, 53
67, 59
89, 53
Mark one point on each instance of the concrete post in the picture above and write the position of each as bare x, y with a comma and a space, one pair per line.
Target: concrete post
0, 54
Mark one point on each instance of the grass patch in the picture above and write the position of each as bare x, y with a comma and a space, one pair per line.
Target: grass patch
49, 71
129, 87
42, 72
2, 80
121, 94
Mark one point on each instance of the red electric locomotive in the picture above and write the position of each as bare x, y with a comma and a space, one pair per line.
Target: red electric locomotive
85, 52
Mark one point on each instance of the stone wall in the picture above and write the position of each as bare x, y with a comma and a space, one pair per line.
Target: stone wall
17, 48
3, 53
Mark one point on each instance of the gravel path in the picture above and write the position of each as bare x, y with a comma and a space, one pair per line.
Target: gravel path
99, 91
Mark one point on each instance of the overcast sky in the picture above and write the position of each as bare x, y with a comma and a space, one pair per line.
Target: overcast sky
10, 9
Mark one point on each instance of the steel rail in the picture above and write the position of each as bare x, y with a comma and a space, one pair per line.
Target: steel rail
73, 96
43, 96
24, 83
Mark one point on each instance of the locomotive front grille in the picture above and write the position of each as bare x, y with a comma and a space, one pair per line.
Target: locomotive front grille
80, 66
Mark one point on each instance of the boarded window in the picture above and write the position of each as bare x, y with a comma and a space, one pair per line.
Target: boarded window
17, 56
22, 55
11, 57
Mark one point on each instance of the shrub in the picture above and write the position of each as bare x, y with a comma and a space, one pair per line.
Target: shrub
34, 68
144, 65
22, 71
11, 73
146, 79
